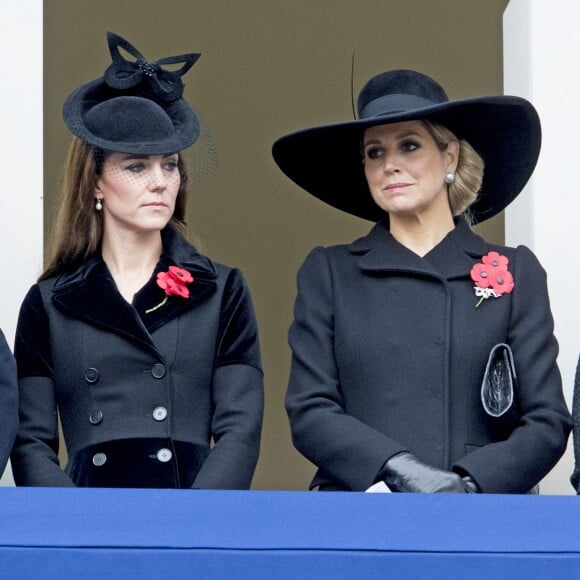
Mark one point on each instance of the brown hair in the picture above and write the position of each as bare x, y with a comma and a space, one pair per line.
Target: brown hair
78, 228
469, 173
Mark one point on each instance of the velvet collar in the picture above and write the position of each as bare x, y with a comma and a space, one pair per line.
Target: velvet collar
90, 294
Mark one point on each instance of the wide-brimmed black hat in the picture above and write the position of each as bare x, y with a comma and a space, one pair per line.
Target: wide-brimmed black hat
136, 107
504, 130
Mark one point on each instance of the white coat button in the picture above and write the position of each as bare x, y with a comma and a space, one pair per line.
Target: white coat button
99, 459
160, 413
164, 455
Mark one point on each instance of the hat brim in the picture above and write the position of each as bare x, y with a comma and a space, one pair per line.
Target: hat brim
504, 130
185, 122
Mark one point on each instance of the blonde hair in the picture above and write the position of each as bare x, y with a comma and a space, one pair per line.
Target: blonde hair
78, 228
469, 173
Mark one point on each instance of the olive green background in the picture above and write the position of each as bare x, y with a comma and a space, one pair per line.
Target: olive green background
269, 67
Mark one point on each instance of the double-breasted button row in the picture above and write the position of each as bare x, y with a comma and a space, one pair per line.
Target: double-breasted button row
159, 414
163, 455
158, 371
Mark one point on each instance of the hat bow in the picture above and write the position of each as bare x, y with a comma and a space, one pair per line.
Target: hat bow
124, 74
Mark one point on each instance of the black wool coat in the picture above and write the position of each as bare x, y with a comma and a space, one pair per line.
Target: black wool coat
8, 401
169, 398
389, 352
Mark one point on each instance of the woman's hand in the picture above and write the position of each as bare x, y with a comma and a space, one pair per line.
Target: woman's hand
405, 473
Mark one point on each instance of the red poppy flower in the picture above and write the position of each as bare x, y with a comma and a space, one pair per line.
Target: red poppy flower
172, 287
491, 277
174, 283
504, 282
495, 260
482, 275
180, 274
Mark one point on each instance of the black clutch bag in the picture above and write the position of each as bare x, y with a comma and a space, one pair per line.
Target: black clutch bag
499, 381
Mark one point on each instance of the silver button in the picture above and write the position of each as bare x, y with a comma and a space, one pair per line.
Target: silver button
158, 371
91, 375
164, 455
96, 417
160, 413
99, 459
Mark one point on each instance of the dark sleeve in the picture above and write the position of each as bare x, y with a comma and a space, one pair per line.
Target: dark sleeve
237, 394
539, 439
35, 454
347, 449
8, 401
575, 479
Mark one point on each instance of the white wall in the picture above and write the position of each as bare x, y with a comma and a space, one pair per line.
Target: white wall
20, 158
541, 63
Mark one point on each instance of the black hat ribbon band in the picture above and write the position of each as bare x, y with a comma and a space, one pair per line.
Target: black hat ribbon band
394, 103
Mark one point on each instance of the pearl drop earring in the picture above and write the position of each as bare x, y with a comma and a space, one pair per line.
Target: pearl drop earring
99, 205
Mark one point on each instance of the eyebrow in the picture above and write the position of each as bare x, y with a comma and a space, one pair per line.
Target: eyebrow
398, 136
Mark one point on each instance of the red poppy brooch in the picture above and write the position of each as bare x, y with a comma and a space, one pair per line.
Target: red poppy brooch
491, 277
174, 282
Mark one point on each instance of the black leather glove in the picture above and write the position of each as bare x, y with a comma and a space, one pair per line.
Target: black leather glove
404, 472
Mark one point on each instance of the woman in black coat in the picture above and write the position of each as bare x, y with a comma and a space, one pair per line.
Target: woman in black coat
423, 357
8, 401
146, 350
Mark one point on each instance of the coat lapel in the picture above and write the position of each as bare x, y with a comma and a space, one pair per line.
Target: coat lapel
455, 255
380, 252
203, 285
89, 294
452, 258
